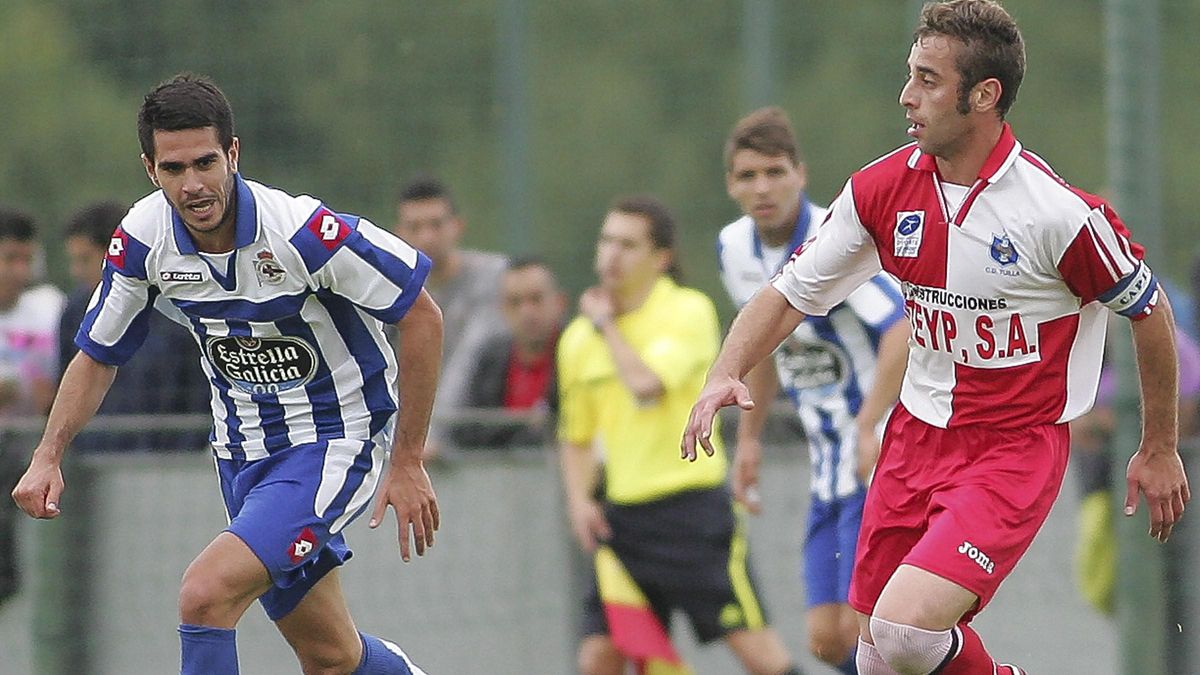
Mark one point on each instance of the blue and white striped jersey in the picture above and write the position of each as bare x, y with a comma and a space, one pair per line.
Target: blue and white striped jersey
827, 364
289, 325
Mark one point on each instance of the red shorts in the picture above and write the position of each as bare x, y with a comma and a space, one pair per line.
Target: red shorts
962, 503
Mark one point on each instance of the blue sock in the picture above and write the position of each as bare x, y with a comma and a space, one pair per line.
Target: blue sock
205, 650
381, 657
848, 667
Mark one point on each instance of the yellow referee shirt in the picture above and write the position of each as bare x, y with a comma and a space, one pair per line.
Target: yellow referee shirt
675, 334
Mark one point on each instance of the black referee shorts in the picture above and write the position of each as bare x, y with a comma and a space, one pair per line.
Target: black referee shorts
686, 552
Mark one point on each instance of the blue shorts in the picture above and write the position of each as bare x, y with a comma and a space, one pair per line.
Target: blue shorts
829, 546
291, 507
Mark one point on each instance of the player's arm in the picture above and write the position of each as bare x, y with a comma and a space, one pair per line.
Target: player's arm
646, 386
763, 384
758, 329
1156, 470
406, 486
889, 374
84, 384
579, 472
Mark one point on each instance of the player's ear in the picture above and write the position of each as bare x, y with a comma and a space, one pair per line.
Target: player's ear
985, 96
148, 164
233, 155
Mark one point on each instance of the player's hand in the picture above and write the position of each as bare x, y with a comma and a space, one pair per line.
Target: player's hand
746, 460
407, 488
597, 305
868, 453
1161, 478
39, 490
718, 393
588, 523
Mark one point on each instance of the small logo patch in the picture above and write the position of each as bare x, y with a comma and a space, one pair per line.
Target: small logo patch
1003, 250
910, 227
732, 616
116, 248
982, 559
306, 543
186, 277
268, 270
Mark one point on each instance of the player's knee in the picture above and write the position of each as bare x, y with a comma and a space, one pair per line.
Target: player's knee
907, 649
328, 658
828, 643
199, 599
206, 599
598, 656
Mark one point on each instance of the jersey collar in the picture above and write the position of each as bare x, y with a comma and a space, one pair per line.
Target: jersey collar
799, 231
1002, 157
245, 226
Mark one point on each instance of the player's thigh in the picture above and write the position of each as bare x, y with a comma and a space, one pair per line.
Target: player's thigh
321, 622
916, 597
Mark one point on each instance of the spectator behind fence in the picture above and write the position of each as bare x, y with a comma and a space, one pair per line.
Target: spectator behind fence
163, 377
28, 321
515, 370
628, 366
841, 372
462, 282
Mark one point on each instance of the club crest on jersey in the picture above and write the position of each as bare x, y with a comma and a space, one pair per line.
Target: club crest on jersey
910, 227
268, 270
1003, 250
267, 365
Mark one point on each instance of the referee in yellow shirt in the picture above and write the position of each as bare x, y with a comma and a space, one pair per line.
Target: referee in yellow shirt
630, 366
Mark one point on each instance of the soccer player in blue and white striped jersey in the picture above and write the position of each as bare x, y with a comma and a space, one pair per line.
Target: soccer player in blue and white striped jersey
842, 371
286, 300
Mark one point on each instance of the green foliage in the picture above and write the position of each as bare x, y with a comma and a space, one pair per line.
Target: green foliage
346, 100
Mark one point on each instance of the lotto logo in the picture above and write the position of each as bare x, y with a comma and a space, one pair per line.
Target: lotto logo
304, 544
981, 558
116, 249
330, 230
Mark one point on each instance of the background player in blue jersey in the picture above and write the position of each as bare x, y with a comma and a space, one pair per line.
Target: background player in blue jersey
287, 301
841, 371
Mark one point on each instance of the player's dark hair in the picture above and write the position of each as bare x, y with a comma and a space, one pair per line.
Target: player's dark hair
425, 187
767, 131
185, 101
525, 261
661, 226
16, 225
96, 222
994, 46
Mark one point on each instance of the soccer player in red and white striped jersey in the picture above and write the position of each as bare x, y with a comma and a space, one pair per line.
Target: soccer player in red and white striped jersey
1007, 273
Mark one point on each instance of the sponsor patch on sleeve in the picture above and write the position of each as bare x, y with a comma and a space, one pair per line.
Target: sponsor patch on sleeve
117, 247
330, 230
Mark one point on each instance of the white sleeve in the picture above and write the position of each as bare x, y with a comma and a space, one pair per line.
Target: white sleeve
830, 265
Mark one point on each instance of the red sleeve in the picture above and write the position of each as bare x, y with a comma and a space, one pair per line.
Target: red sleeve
1101, 255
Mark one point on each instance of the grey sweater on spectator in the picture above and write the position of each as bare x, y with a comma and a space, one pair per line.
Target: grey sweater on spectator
471, 317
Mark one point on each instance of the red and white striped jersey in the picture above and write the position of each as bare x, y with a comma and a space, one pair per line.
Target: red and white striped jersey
1005, 282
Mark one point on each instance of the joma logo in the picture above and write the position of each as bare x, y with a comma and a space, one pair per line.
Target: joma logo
981, 558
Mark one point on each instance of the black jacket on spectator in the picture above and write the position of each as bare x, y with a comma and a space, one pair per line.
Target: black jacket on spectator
486, 388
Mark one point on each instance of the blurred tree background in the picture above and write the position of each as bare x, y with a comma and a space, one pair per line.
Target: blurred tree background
536, 113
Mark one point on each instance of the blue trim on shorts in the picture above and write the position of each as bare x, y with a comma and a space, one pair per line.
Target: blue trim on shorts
829, 545
271, 502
